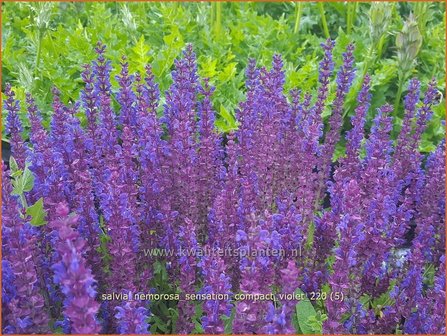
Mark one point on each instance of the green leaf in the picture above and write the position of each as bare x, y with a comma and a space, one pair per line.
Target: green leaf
196, 319
174, 315
305, 312
13, 165
37, 213
228, 72
316, 323
426, 146
225, 114
27, 180
157, 267
17, 186
429, 275
228, 322
228, 122
208, 68
198, 329
140, 54
365, 299
222, 126
17, 174
160, 324
23, 182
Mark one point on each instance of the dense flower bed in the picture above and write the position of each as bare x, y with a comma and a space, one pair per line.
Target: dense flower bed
84, 201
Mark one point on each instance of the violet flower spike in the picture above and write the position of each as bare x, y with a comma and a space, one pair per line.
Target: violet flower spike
14, 127
26, 310
74, 276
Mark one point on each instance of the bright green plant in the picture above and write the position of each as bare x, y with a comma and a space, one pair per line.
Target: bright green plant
45, 44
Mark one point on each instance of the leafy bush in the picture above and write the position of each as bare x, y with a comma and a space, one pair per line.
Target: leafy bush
45, 45
359, 241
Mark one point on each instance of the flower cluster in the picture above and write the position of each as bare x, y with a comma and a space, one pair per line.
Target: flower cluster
74, 276
364, 229
25, 308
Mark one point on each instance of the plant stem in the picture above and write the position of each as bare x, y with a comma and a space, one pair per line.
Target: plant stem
402, 78
218, 19
349, 18
380, 46
369, 57
23, 201
39, 50
323, 20
310, 236
298, 11
368, 60
351, 14
398, 95
354, 13
212, 10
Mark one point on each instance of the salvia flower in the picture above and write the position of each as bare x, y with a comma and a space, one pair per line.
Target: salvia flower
132, 319
216, 282
154, 187
126, 96
14, 127
74, 276
187, 264
26, 310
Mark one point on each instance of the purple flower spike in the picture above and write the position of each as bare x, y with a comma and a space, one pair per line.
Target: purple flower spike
26, 311
74, 276
180, 120
188, 263
357, 133
19, 149
132, 319
166, 203
126, 97
344, 81
216, 281
325, 71
209, 160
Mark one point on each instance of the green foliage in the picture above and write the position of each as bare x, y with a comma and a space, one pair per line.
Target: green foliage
104, 239
45, 44
164, 313
227, 121
198, 329
379, 303
228, 322
429, 275
309, 321
22, 183
37, 213
14, 167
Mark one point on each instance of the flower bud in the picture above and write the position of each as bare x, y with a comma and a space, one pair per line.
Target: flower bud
408, 43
